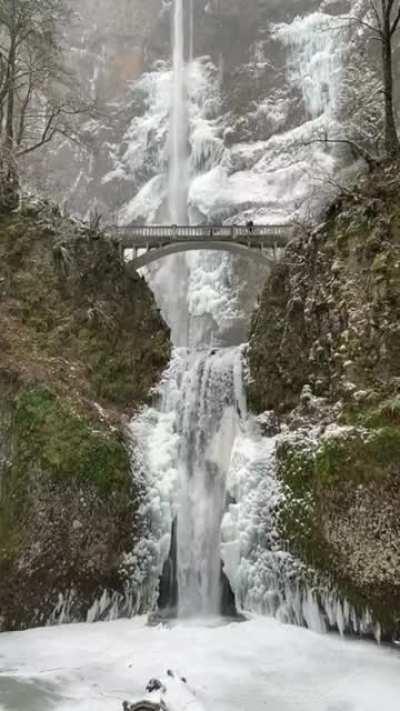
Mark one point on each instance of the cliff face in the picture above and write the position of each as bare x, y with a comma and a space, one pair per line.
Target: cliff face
329, 315
325, 354
81, 346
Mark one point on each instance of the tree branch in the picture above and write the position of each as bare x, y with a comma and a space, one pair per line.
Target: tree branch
375, 30
371, 162
395, 23
35, 146
376, 13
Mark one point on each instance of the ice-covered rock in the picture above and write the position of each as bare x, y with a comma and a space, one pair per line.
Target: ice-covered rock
171, 693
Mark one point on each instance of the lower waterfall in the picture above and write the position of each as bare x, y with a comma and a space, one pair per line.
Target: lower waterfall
209, 543
187, 447
207, 420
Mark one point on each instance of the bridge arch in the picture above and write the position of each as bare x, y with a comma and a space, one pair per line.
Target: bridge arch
156, 253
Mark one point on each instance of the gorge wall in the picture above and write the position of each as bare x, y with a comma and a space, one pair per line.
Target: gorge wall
325, 356
82, 344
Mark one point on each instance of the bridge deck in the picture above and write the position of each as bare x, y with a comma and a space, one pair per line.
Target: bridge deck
138, 236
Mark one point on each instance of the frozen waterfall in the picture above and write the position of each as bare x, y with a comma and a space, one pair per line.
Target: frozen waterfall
187, 444
201, 402
211, 406
210, 543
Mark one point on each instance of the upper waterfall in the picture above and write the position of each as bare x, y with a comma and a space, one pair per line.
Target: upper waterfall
178, 159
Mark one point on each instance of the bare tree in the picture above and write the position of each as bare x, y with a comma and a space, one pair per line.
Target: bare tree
38, 95
382, 20
360, 104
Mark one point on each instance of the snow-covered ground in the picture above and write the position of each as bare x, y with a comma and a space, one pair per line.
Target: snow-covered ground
260, 665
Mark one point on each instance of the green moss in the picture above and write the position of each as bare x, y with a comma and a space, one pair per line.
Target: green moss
360, 457
307, 473
386, 413
297, 517
297, 467
52, 443
50, 436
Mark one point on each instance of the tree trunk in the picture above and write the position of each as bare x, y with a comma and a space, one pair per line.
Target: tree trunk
9, 194
10, 96
10, 80
392, 143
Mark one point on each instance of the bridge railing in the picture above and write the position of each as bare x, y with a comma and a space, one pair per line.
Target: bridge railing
187, 232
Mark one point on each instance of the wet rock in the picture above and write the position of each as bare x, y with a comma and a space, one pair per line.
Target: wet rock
268, 423
347, 336
155, 685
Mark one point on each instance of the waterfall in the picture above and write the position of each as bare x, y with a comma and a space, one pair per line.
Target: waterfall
210, 539
211, 542
209, 415
208, 409
178, 183
186, 444
187, 440
211, 488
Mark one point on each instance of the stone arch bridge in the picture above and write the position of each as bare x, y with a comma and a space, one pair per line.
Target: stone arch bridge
148, 243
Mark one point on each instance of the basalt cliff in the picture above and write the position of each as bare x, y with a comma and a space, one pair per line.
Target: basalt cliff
81, 346
325, 357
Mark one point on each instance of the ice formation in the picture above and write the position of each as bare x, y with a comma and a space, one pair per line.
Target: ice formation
257, 664
204, 462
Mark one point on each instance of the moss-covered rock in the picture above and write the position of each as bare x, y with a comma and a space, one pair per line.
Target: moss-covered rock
340, 514
329, 318
81, 346
297, 515
330, 314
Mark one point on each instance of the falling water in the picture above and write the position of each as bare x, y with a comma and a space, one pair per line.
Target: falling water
209, 415
178, 182
207, 398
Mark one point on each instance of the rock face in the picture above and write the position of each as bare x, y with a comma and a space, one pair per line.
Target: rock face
325, 354
329, 315
81, 346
